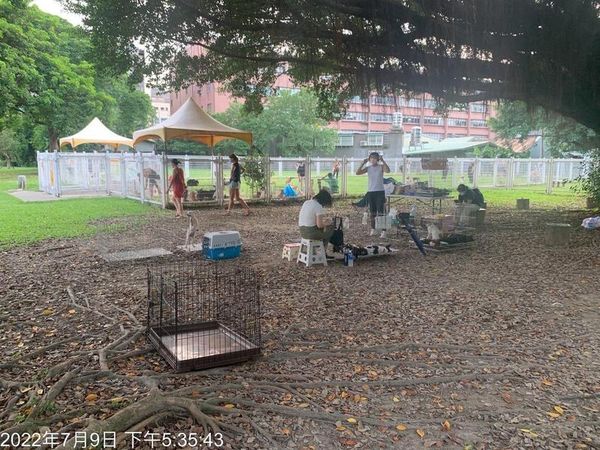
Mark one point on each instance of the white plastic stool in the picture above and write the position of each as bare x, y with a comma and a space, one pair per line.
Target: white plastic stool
311, 253
290, 251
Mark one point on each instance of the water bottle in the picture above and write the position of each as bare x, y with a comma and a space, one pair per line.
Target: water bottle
350, 259
365, 218
413, 214
346, 256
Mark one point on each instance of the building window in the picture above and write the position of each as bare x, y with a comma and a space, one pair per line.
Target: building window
345, 140
358, 100
381, 117
411, 119
414, 103
432, 120
430, 104
355, 116
436, 136
373, 140
457, 122
477, 107
377, 100
478, 123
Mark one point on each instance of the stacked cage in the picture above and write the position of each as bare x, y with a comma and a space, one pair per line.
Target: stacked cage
203, 316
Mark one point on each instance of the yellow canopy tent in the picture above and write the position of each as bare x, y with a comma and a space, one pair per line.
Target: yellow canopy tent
192, 123
95, 133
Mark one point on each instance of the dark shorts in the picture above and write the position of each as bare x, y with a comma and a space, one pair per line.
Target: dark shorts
376, 202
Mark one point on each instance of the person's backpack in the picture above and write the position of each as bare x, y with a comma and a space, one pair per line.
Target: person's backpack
478, 197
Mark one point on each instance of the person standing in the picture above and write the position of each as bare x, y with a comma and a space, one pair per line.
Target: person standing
301, 171
336, 168
235, 180
375, 192
177, 183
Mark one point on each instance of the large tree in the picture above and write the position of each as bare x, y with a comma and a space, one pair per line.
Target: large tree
514, 120
48, 86
288, 125
546, 52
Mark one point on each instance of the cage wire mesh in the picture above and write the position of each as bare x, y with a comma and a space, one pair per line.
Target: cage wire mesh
203, 316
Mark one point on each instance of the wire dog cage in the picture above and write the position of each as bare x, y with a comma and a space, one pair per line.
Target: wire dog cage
203, 316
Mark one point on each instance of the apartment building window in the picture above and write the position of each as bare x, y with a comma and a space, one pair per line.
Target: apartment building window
436, 136
411, 119
457, 122
377, 100
414, 103
479, 123
381, 117
430, 104
345, 140
355, 116
373, 140
358, 100
432, 120
477, 107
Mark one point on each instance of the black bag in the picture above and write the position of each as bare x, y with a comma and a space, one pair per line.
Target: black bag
478, 197
192, 182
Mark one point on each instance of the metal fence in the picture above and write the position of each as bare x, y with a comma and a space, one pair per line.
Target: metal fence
143, 176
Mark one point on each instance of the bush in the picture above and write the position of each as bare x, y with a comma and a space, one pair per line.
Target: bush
589, 180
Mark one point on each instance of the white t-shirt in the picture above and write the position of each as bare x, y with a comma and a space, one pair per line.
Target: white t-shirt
308, 213
375, 174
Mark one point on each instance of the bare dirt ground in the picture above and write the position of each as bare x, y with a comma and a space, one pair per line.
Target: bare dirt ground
491, 348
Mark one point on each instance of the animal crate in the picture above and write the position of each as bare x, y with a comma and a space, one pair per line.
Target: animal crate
203, 316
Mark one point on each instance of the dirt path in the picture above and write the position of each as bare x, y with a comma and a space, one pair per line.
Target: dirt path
497, 347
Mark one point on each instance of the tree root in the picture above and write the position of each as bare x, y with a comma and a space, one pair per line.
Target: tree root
51, 395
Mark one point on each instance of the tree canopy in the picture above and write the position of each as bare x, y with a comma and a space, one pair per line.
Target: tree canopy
50, 88
545, 52
514, 120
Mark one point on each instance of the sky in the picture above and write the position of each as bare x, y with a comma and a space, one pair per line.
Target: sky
54, 7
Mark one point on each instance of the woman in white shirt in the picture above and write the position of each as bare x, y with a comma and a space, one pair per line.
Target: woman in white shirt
312, 222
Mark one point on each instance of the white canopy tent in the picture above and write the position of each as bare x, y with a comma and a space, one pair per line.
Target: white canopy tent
95, 133
192, 123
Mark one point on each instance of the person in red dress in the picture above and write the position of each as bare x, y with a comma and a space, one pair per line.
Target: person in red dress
177, 183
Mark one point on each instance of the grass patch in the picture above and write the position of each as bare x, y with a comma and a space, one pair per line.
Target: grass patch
24, 223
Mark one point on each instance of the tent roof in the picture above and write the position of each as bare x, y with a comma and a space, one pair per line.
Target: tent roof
95, 133
192, 123
448, 145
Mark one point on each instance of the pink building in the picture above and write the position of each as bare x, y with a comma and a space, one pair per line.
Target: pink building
372, 116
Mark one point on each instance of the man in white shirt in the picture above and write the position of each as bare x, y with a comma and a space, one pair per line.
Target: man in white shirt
375, 191
312, 222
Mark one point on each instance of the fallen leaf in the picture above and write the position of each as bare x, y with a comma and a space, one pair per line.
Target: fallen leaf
559, 410
303, 405
341, 428
351, 420
117, 399
506, 397
446, 425
72, 311
348, 442
547, 382
553, 415
286, 431
91, 397
401, 427
396, 399
229, 405
421, 433
47, 312
287, 397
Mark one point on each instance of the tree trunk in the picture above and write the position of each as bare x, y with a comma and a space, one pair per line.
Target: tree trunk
53, 138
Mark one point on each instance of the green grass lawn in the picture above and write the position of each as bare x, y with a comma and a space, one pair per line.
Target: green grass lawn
24, 223
563, 197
